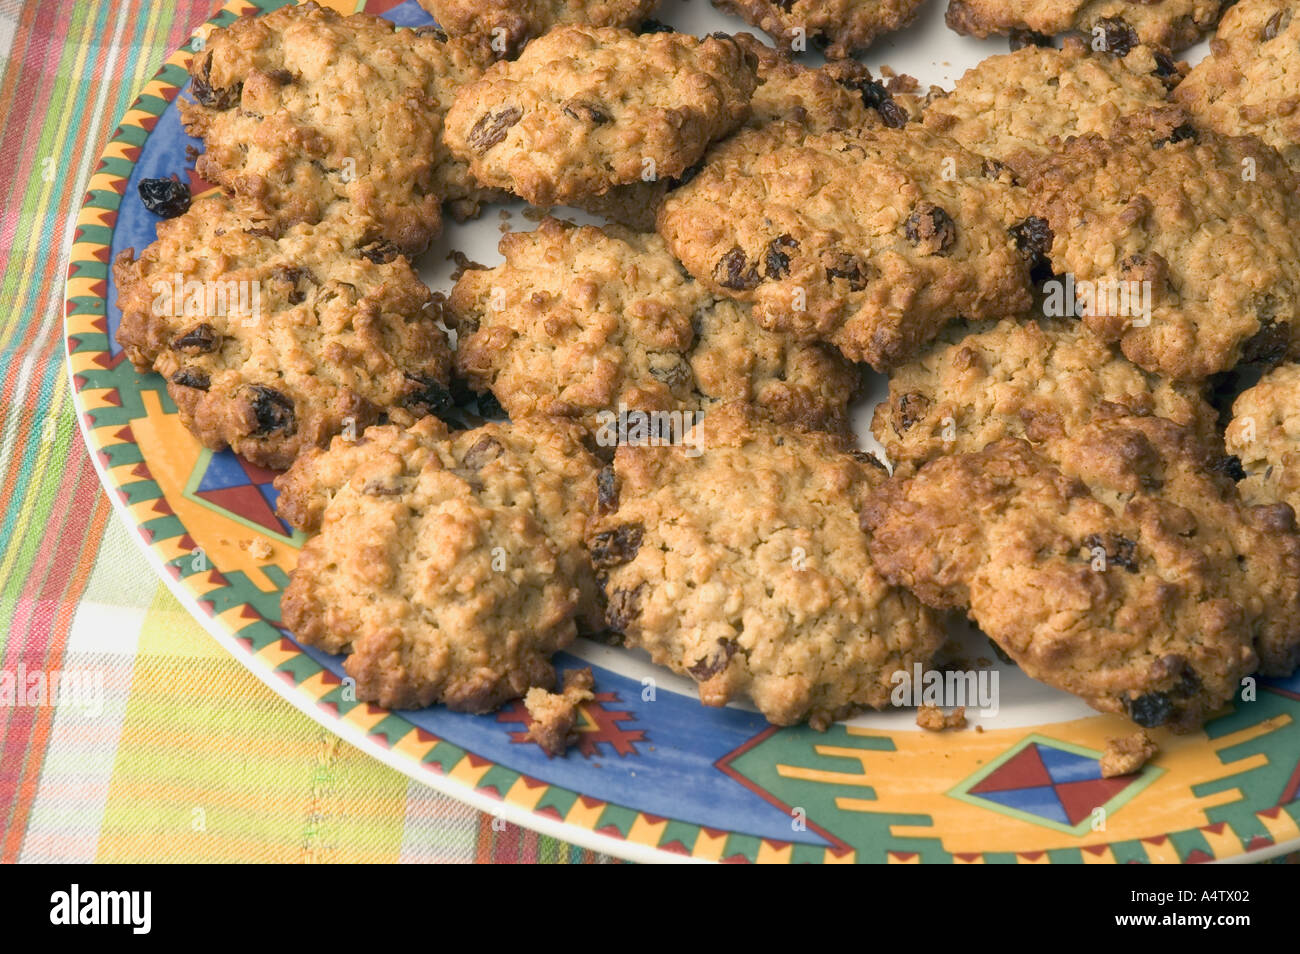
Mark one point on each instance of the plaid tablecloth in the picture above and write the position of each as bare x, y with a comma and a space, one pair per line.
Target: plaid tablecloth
191, 757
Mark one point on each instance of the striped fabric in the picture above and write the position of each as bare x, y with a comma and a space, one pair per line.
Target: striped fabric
184, 756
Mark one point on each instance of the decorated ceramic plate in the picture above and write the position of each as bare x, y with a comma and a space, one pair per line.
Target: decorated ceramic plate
654, 775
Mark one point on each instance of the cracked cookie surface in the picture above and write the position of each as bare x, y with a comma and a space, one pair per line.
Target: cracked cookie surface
270, 345
1265, 435
1037, 380
1021, 106
505, 26
744, 569
449, 566
1118, 24
581, 321
586, 109
870, 241
1250, 82
1121, 568
1207, 221
302, 109
838, 26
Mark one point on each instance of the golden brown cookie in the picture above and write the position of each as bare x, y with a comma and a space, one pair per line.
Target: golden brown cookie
1114, 25
1041, 381
272, 346
737, 561
1200, 225
870, 241
504, 26
449, 567
1265, 435
839, 27
1250, 82
586, 109
302, 109
1024, 105
586, 323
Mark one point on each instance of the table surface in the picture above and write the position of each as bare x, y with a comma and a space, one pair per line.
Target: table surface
189, 757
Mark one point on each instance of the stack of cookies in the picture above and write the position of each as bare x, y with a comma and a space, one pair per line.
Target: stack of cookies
1080, 269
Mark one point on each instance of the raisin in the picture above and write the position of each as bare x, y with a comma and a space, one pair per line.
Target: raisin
876, 96
1019, 39
190, 378
654, 26
1180, 134
426, 394
432, 31
623, 608
1034, 238
1123, 553
292, 276
1189, 683
776, 263
1117, 36
586, 113
994, 169
785, 5
930, 229
1229, 465
381, 252
483, 451
730, 271
690, 173
708, 668
908, 409
848, 267
1275, 25
611, 548
1166, 68
214, 97
274, 411
606, 490
201, 339
167, 198
491, 128
280, 77
1269, 345
671, 370
1151, 710
490, 407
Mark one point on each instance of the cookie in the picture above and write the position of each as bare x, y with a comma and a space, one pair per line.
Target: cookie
838, 27
554, 715
505, 26
871, 241
271, 345
1024, 105
742, 567
582, 322
841, 95
302, 109
586, 109
1114, 25
1202, 227
1250, 82
1265, 435
1141, 603
449, 567
1041, 381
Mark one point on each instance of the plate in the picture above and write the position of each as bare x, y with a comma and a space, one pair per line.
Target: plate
655, 775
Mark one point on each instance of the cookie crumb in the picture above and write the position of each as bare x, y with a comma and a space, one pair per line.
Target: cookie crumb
554, 714
1126, 754
533, 214
257, 548
463, 264
933, 719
